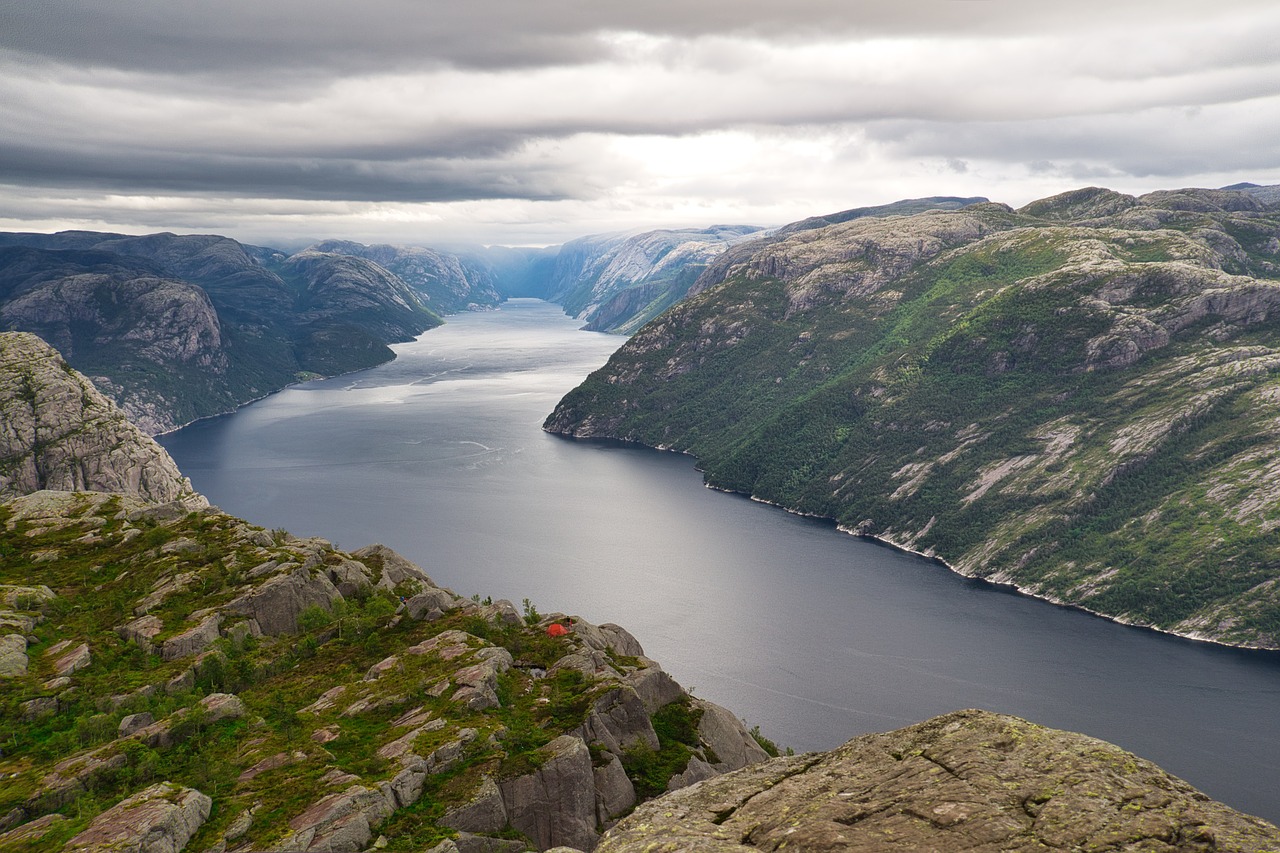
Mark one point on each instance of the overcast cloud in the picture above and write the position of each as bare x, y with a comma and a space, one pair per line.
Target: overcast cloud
522, 122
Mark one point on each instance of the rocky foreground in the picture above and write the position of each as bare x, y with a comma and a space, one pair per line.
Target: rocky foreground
316, 699
971, 780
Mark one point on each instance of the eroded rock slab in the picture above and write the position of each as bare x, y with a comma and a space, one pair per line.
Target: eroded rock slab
160, 819
971, 780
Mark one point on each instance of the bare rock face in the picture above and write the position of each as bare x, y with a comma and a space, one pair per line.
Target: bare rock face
58, 432
971, 780
557, 803
160, 819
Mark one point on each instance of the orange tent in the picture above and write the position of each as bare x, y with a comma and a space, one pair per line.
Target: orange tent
555, 629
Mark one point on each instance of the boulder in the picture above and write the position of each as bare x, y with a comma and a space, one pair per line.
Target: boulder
339, 823
76, 659
615, 795
32, 597
406, 787
222, 706
276, 605
655, 687
134, 723
695, 771
727, 737
478, 683
395, 568
484, 813
194, 640
349, 577
160, 819
430, 604
556, 804
13, 655
971, 780
17, 623
28, 833
141, 632
618, 721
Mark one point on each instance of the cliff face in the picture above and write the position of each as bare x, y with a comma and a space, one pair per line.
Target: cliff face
971, 780
1078, 398
354, 291
618, 282
445, 282
180, 327
58, 432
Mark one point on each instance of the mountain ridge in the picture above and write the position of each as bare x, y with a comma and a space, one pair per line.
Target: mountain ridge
1070, 398
177, 328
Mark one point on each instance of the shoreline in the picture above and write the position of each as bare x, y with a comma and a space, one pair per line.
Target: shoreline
1008, 587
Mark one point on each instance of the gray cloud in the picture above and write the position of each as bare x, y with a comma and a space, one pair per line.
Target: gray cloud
551, 119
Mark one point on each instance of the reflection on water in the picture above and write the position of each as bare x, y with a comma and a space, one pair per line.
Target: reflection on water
811, 634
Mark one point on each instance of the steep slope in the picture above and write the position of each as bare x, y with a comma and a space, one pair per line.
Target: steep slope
718, 269
971, 780
1080, 398
316, 698
446, 282
336, 289
58, 432
618, 282
180, 327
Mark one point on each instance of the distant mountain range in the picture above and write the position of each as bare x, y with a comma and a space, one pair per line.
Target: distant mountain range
1080, 397
176, 328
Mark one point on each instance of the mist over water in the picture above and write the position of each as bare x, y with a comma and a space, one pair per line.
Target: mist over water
810, 633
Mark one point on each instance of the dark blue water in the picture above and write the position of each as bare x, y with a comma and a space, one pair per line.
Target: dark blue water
811, 634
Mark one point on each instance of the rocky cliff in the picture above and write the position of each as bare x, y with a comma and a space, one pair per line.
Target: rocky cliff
446, 282
354, 291
180, 327
618, 282
58, 432
1078, 398
971, 780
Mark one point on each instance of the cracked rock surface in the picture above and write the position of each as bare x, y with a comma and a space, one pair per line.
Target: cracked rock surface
58, 432
970, 780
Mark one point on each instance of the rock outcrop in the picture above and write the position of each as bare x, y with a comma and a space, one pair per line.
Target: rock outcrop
971, 780
445, 282
160, 819
60, 433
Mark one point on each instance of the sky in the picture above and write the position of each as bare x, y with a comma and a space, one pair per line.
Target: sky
531, 122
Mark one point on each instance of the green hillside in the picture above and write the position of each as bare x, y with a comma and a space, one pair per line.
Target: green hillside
1080, 398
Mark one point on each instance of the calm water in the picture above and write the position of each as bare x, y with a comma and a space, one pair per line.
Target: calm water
811, 634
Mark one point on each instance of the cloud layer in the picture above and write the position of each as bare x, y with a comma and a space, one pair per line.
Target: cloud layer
516, 122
